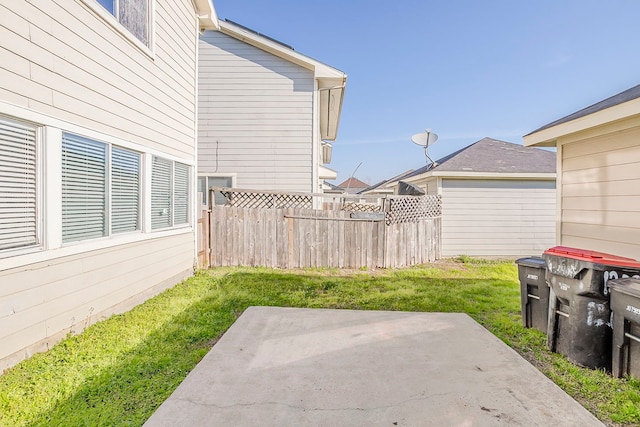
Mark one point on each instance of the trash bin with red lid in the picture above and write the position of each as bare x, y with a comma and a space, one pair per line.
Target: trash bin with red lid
579, 312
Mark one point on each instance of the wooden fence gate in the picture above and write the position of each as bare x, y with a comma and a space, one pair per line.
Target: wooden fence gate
297, 230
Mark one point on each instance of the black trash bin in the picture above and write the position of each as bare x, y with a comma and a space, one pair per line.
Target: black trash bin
625, 308
534, 292
579, 312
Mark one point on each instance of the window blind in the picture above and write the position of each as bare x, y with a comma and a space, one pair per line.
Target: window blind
125, 190
84, 188
160, 193
181, 194
18, 180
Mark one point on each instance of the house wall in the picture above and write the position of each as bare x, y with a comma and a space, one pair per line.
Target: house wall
599, 182
60, 58
41, 302
255, 116
66, 66
497, 217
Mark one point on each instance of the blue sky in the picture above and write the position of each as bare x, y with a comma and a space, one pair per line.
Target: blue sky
466, 69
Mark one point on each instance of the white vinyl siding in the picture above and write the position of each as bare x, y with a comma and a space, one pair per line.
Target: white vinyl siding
255, 116
601, 193
18, 185
125, 190
67, 68
84, 188
497, 217
47, 300
62, 59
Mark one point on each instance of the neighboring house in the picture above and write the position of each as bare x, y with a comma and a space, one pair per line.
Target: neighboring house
353, 185
329, 188
264, 112
387, 186
97, 160
498, 198
598, 174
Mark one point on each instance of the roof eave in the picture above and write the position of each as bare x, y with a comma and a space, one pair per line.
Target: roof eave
483, 175
547, 137
331, 109
326, 173
320, 69
207, 16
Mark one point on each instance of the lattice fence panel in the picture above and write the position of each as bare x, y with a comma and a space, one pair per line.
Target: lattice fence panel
412, 208
261, 200
361, 207
397, 209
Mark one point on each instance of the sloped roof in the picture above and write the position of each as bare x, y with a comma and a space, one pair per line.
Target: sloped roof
353, 183
393, 179
331, 186
622, 97
494, 156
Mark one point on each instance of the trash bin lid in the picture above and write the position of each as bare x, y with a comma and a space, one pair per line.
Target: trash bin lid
628, 286
592, 256
534, 261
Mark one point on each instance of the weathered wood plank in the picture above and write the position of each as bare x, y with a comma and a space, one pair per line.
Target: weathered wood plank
294, 238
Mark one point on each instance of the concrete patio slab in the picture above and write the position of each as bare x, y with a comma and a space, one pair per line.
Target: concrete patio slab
307, 367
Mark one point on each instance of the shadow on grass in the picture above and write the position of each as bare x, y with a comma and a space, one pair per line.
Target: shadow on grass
128, 391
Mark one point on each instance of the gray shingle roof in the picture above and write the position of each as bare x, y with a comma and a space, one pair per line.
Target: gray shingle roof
492, 155
620, 98
395, 178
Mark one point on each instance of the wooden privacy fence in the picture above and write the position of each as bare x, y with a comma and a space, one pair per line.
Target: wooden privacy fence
294, 230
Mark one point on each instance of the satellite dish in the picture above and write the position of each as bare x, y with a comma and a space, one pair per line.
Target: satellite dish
424, 139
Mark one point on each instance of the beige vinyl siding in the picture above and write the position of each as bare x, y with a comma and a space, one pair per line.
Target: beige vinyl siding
601, 193
41, 300
255, 116
60, 58
75, 72
430, 186
497, 217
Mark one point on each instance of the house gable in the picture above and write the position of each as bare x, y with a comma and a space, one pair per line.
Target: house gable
255, 116
598, 162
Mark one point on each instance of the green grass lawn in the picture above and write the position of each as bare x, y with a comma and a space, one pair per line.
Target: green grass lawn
119, 371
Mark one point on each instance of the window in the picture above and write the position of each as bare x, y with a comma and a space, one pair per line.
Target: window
84, 188
132, 14
206, 182
181, 193
18, 185
98, 182
169, 193
125, 190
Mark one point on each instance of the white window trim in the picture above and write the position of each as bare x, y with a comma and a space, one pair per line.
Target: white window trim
51, 190
39, 199
108, 195
190, 195
123, 31
233, 176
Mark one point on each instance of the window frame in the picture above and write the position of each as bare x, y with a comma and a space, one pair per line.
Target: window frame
108, 213
112, 19
205, 195
171, 190
38, 199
